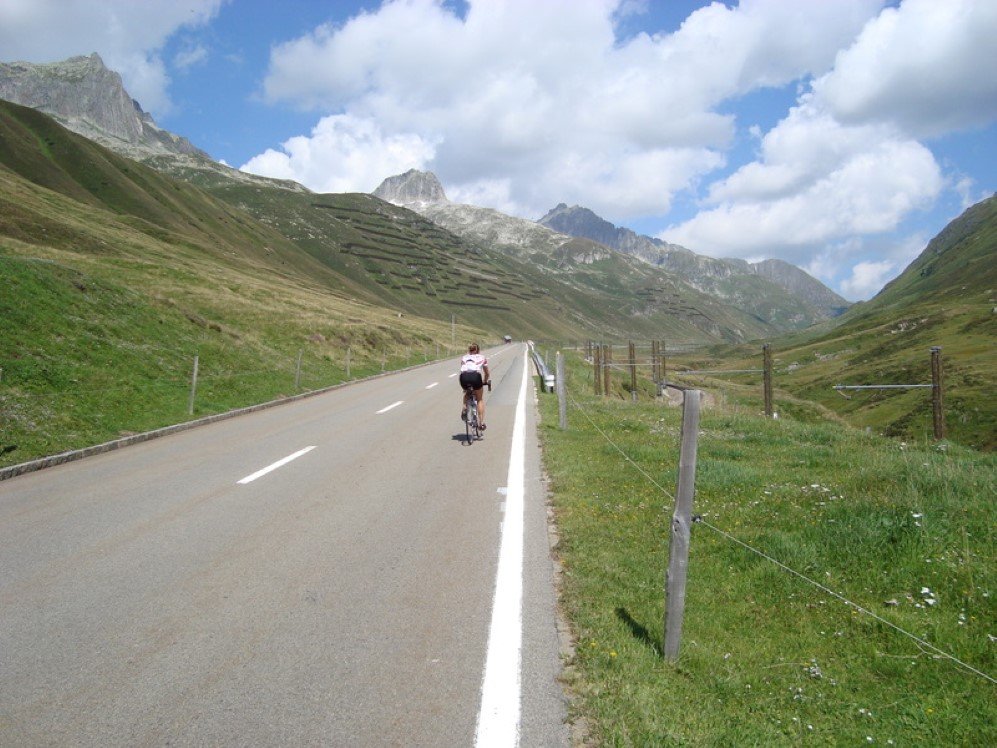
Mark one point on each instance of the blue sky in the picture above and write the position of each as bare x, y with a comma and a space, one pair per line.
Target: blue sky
840, 135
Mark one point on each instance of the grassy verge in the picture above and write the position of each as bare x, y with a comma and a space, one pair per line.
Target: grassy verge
903, 530
91, 351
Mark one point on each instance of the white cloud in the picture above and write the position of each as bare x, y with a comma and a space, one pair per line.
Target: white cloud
495, 193
926, 66
343, 154
190, 56
867, 279
128, 36
846, 161
817, 182
542, 97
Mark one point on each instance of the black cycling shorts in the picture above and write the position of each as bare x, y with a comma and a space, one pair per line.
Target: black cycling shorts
471, 379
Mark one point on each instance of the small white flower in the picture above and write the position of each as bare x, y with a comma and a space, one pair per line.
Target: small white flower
916, 515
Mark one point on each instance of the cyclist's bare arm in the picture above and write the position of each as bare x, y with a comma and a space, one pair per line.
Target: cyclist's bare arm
488, 375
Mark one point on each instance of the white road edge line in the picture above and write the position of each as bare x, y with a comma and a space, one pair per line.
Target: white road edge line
430, 386
390, 407
498, 720
279, 463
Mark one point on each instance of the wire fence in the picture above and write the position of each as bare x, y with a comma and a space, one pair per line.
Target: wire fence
728, 536
782, 566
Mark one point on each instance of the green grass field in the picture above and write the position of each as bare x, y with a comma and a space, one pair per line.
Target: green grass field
905, 530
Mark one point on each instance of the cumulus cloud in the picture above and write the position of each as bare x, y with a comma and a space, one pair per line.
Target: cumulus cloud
867, 278
343, 154
817, 181
542, 96
847, 161
926, 66
128, 36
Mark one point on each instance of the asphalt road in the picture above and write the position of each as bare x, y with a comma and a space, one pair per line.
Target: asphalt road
172, 593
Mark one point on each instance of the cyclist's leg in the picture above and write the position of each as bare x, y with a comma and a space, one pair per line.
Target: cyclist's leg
480, 395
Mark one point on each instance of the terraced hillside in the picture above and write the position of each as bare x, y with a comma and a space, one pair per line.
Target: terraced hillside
390, 255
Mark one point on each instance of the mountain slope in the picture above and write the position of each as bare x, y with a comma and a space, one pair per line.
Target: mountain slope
354, 246
90, 98
805, 299
947, 297
421, 266
754, 295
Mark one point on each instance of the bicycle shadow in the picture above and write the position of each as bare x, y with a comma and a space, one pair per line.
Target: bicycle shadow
462, 438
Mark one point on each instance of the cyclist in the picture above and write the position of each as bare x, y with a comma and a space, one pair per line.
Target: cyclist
474, 374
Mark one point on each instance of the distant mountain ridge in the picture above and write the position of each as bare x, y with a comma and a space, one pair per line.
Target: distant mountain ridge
773, 291
90, 99
705, 273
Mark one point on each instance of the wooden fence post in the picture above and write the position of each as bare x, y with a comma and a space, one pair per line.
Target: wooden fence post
607, 362
193, 388
937, 412
297, 371
597, 369
349, 351
663, 352
562, 405
633, 371
767, 378
678, 549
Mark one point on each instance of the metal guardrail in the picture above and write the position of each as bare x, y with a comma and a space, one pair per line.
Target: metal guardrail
547, 377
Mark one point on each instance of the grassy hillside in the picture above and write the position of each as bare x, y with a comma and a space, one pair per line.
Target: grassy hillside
116, 276
106, 304
946, 298
768, 657
394, 256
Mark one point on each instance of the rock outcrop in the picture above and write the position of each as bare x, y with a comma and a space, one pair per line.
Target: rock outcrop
88, 98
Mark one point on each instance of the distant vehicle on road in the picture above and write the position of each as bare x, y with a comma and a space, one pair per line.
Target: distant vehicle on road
508, 338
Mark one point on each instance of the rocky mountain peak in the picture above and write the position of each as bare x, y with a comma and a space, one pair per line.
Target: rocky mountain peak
727, 278
90, 99
414, 187
579, 221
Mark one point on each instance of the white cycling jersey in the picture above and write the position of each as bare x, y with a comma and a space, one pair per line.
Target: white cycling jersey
473, 362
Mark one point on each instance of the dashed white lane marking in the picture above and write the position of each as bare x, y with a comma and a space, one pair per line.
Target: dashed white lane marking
453, 375
430, 386
390, 407
498, 720
279, 463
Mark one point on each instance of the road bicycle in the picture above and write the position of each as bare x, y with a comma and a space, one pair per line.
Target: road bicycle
471, 424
